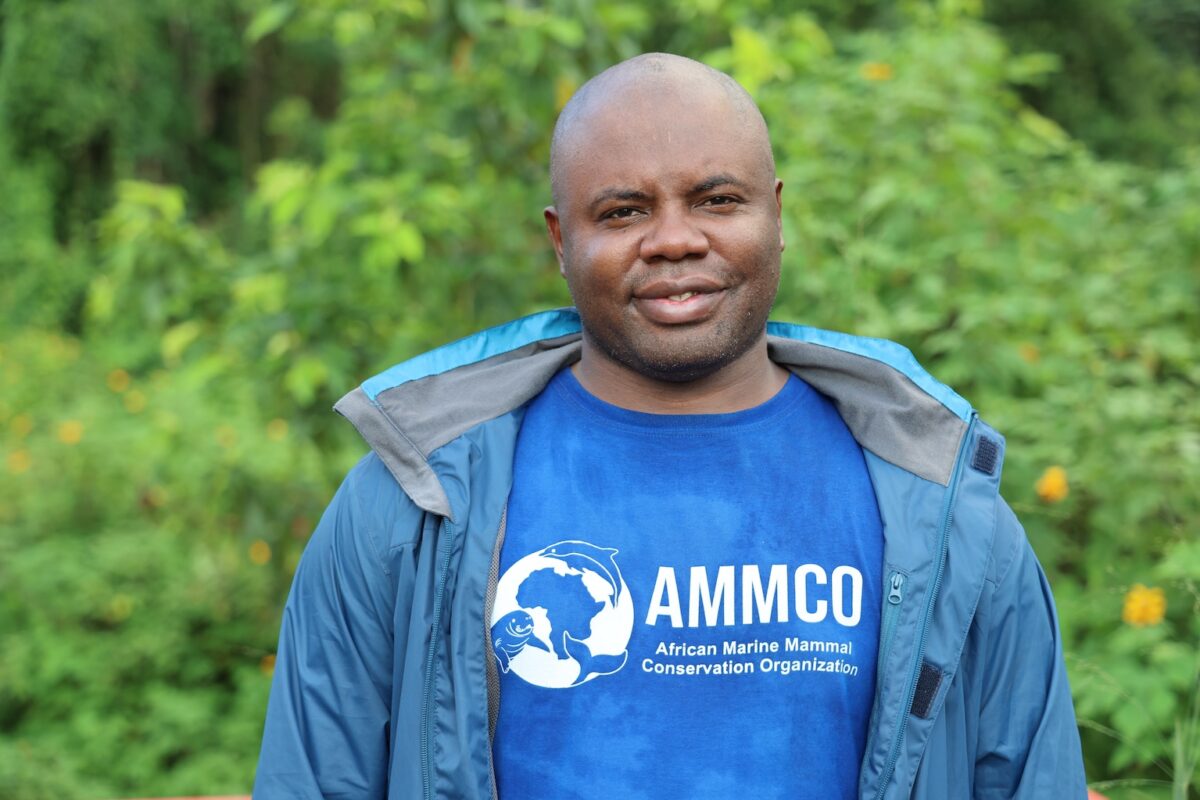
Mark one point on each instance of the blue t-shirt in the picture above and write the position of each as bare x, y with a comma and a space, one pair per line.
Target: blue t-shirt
688, 605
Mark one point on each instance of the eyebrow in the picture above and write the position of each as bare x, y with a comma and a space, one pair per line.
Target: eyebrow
616, 194
713, 181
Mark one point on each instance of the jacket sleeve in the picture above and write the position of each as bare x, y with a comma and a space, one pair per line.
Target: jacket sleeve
1028, 742
327, 725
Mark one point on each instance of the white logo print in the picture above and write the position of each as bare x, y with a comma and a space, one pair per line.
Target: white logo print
562, 615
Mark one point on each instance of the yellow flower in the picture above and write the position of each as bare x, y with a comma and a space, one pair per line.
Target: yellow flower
1052, 486
64, 347
461, 60
260, 552
1144, 606
19, 461
153, 497
267, 665
135, 402
120, 607
564, 88
118, 380
70, 432
1029, 352
21, 425
877, 71
226, 436
277, 430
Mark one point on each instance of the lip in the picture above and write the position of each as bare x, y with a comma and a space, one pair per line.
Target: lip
665, 287
654, 300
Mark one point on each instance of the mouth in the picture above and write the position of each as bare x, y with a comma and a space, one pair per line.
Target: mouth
679, 302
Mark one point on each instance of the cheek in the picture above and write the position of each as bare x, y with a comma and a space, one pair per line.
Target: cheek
602, 262
755, 254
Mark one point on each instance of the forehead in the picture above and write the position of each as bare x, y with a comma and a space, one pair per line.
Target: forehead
636, 135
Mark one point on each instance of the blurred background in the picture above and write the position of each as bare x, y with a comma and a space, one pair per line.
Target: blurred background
216, 216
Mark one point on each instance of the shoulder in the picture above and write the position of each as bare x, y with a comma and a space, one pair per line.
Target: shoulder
369, 514
1008, 543
1017, 606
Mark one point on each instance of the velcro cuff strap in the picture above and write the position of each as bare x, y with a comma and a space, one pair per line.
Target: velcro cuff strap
927, 689
986, 453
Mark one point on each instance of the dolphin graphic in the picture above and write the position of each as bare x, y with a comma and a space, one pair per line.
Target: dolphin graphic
584, 555
589, 664
510, 634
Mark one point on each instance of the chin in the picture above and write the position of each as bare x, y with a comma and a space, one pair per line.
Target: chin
691, 361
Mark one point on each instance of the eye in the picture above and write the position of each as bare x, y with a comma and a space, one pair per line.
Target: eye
624, 212
720, 200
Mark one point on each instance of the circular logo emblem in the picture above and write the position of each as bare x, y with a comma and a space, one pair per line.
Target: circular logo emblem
562, 615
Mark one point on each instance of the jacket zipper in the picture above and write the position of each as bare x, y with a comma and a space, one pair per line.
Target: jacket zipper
891, 616
943, 546
891, 613
488, 652
430, 658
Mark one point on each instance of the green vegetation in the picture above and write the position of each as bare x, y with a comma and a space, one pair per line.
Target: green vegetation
218, 215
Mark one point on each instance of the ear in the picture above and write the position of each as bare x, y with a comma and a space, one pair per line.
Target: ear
779, 211
552, 227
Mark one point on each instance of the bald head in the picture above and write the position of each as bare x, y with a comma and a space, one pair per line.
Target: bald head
644, 84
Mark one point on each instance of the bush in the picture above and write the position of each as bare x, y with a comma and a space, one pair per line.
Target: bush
168, 361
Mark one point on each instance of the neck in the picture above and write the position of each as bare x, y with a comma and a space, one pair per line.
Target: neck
749, 381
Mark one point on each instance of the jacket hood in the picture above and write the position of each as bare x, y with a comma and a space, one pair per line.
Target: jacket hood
892, 406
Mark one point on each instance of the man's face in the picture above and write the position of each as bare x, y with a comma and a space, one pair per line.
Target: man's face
668, 233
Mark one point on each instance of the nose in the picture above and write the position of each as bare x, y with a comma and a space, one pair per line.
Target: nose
673, 236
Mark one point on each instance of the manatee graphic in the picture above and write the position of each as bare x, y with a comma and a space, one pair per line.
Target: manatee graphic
587, 556
589, 664
510, 634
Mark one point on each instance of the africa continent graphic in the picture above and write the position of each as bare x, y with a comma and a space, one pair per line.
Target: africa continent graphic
562, 616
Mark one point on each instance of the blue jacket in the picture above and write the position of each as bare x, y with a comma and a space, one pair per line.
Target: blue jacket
384, 686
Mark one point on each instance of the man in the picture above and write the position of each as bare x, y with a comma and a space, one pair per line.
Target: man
657, 548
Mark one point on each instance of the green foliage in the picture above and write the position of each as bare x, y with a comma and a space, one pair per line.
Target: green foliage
28, 774
259, 239
139, 660
1128, 77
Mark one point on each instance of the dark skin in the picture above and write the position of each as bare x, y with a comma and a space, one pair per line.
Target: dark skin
667, 229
